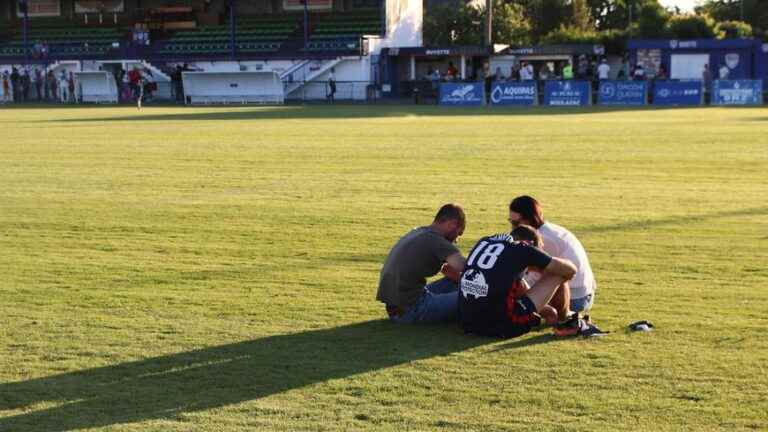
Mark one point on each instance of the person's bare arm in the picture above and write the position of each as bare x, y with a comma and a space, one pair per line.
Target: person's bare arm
560, 267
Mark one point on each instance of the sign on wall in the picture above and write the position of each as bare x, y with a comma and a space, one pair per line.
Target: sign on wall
98, 6
41, 8
462, 94
567, 93
737, 92
622, 93
678, 93
518, 93
298, 5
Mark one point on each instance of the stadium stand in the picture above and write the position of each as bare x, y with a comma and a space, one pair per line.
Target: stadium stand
253, 35
63, 39
341, 32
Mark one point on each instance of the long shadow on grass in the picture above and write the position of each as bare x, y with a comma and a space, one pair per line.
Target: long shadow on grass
164, 387
339, 112
650, 223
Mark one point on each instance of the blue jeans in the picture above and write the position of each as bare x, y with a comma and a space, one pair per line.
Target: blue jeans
439, 303
582, 304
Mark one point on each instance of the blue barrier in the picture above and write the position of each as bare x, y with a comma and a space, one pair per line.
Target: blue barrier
519, 93
567, 93
678, 93
462, 94
623, 93
737, 92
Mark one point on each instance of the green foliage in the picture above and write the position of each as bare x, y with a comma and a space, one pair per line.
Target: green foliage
652, 21
463, 25
690, 26
734, 29
214, 268
581, 16
755, 12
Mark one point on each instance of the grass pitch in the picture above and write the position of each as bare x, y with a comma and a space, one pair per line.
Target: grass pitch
207, 269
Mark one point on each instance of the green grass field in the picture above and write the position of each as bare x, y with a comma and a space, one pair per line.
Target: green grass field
212, 269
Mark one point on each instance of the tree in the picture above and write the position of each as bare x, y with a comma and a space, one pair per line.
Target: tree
652, 21
581, 16
463, 25
691, 26
755, 12
734, 29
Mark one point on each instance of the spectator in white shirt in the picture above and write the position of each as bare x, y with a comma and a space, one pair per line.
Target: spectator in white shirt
561, 243
603, 70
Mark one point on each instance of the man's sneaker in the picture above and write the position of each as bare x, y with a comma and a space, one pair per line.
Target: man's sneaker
570, 327
591, 330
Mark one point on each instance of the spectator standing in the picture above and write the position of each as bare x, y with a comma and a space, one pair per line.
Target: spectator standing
661, 74
331, 86
26, 83
526, 72
545, 73
639, 73
582, 70
71, 87
452, 72
62, 84
499, 75
16, 84
134, 81
568, 71
6, 88
52, 85
39, 83
603, 70
125, 88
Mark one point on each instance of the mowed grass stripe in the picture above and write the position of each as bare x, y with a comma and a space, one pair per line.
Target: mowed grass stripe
214, 268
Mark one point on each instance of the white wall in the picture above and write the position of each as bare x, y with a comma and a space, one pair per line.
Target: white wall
405, 23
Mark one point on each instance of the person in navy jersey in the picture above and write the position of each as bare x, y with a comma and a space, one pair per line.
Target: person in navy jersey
493, 298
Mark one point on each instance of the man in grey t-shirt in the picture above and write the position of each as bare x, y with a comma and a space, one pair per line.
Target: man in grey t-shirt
416, 256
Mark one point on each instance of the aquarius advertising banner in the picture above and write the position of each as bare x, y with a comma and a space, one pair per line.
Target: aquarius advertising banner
567, 93
622, 93
461, 94
737, 92
518, 93
678, 93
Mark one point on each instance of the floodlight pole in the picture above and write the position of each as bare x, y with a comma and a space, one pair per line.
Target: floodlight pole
25, 24
306, 22
487, 35
232, 28
741, 6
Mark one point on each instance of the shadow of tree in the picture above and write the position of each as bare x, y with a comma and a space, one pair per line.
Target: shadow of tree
163, 387
650, 223
339, 112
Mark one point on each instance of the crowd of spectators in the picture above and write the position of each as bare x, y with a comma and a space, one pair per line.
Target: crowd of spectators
20, 85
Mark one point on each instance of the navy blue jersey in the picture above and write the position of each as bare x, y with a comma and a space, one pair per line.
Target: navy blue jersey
494, 265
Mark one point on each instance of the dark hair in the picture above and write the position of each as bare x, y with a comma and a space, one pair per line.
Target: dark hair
529, 209
450, 212
528, 234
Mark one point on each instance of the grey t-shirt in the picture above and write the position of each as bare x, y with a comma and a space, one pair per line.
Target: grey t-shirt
415, 257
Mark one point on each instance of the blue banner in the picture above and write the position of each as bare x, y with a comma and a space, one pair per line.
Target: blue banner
622, 93
567, 93
737, 92
514, 93
678, 93
462, 94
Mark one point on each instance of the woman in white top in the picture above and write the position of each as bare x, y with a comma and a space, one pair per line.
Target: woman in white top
561, 243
